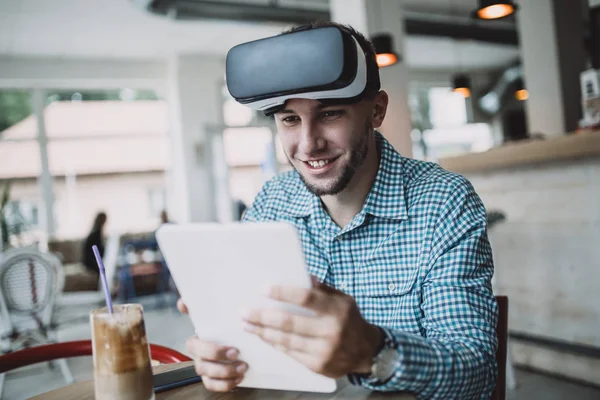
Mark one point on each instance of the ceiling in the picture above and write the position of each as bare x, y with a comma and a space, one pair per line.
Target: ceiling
442, 7
115, 29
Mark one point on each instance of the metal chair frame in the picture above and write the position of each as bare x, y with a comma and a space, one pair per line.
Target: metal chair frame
79, 348
15, 313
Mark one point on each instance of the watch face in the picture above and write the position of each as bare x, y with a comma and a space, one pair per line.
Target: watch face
385, 364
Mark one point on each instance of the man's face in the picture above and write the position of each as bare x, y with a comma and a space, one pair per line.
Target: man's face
326, 144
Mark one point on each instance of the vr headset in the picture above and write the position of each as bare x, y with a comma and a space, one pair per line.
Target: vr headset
325, 64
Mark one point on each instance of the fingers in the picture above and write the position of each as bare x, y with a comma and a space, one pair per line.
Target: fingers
321, 285
281, 339
210, 351
328, 289
220, 385
219, 376
220, 370
283, 321
218, 365
315, 281
182, 307
313, 362
316, 364
313, 299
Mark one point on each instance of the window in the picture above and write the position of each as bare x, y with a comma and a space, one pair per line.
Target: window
107, 150
236, 114
20, 196
14, 107
446, 108
442, 126
157, 201
19, 223
252, 153
21, 215
125, 94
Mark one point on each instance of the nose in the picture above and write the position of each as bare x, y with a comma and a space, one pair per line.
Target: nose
311, 139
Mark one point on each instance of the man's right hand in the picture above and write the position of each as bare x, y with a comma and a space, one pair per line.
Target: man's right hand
219, 367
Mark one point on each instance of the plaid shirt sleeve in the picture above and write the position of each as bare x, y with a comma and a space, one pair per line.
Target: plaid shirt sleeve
455, 359
256, 212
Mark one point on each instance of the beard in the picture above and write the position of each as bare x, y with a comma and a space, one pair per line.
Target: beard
358, 153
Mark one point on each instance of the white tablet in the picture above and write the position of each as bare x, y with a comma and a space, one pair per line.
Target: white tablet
220, 269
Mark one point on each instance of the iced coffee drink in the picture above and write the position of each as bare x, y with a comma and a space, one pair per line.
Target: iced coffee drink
121, 354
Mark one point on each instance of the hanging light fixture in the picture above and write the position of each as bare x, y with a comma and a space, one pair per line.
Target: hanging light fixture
462, 84
492, 9
521, 93
383, 43
385, 50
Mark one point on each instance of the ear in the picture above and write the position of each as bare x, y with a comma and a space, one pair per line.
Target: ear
379, 108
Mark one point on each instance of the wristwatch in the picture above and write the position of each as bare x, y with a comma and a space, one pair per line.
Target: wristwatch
384, 364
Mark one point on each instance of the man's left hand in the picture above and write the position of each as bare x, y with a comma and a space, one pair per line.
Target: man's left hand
335, 342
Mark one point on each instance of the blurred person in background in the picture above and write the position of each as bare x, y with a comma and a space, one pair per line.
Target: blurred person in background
164, 217
95, 237
240, 209
398, 249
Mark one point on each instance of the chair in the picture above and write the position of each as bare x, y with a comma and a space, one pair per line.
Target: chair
78, 348
29, 282
134, 266
501, 352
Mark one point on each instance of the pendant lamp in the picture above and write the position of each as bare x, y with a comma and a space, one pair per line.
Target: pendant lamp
384, 49
492, 9
462, 84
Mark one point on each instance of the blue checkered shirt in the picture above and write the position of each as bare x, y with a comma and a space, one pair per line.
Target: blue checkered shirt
417, 261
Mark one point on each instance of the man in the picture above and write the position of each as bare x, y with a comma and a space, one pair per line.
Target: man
397, 247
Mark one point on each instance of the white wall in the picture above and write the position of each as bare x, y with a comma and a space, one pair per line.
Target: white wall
547, 257
57, 73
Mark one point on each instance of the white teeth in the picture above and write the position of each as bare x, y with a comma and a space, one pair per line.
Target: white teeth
318, 164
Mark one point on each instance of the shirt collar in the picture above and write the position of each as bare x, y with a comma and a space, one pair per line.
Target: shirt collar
386, 199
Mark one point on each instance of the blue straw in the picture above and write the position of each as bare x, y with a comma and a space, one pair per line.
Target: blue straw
103, 277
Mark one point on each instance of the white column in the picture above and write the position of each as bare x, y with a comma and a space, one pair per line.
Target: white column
194, 94
220, 175
38, 102
552, 51
370, 17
